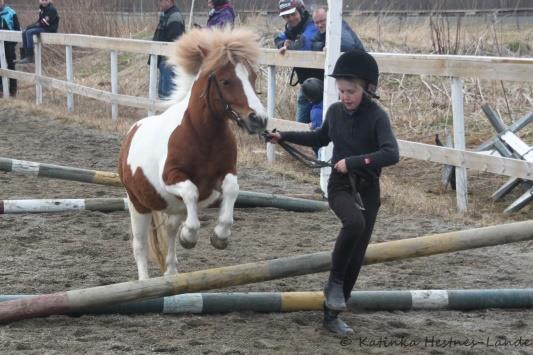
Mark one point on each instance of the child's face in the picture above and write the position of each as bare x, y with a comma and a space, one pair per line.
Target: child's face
350, 93
44, 2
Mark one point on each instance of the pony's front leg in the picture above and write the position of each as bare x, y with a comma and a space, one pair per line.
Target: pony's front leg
189, 229
230, 191
140, 225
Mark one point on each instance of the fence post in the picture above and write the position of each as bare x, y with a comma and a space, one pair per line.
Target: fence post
152, 90
70, 77
3, 65
333, 49
114, 83
459, 142
271, 107
38, 69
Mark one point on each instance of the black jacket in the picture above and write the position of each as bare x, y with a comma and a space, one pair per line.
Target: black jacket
169, 28
364, 138
48, 18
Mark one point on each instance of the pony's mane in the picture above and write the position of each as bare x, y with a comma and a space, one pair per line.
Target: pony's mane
205, 50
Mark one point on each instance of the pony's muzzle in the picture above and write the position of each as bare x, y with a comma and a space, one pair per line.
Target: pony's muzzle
256, 123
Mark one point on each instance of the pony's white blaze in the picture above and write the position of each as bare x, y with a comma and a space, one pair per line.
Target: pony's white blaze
253, 101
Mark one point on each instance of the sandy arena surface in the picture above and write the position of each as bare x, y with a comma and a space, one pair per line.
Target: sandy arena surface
44, 253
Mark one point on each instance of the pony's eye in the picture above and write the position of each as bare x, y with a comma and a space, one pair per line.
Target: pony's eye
226, 82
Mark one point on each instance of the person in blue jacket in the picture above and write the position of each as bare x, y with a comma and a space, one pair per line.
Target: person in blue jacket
9, 22
349, 40
298, 35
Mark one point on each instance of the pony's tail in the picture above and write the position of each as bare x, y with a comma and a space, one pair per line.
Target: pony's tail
158, 239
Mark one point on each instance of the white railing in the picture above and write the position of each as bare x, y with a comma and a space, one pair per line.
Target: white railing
456, 67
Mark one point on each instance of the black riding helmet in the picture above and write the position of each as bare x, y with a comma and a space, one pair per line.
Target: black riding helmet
313, 89
358, 64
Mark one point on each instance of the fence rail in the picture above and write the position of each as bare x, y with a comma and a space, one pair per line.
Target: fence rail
456, 67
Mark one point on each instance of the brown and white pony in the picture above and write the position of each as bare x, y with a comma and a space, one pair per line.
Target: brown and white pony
185, 159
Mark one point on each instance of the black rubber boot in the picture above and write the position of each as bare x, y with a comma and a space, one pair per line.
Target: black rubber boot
334, 324
334, 294
29, 57
22, 55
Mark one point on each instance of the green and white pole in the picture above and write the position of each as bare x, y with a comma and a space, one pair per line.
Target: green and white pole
273, 302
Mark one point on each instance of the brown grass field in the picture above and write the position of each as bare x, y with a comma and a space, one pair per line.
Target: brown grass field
420, 107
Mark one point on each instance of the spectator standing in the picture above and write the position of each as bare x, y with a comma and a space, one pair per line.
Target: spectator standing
48, 22
170, 27
298, 35
221, 14
9, 22
349, 40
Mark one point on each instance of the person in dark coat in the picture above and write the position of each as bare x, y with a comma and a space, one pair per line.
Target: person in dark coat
363, 144
9, 22
170, 27
221, 14
48, 22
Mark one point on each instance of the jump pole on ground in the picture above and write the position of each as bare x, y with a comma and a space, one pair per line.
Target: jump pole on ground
76, 300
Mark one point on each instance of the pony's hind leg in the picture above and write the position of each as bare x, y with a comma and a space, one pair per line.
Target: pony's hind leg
171, 261
230, 191
140, 224
189, 229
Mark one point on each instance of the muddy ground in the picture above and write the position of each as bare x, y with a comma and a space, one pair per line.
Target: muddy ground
43, 253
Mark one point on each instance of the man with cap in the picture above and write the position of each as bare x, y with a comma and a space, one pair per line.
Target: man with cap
298, 34
363, 144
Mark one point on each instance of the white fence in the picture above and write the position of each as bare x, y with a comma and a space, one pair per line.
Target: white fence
456, 67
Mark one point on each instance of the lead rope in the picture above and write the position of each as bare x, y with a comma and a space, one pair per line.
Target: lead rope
313, 163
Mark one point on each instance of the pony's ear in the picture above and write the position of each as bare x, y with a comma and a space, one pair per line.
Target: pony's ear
190, 50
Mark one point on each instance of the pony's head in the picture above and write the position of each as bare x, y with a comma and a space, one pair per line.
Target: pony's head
224, 62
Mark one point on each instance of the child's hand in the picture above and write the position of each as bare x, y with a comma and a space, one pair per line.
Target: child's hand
341, 166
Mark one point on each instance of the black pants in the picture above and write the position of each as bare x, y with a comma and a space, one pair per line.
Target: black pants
10, 58
354, 236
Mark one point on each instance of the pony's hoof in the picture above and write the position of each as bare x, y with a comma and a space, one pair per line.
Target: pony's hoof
186, 244
218, 242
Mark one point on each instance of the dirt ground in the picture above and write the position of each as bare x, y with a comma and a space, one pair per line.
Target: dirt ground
44, 253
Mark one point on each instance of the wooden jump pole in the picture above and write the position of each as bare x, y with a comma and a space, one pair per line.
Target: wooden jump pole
244, 199
63, 205
272, 302
76, 300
